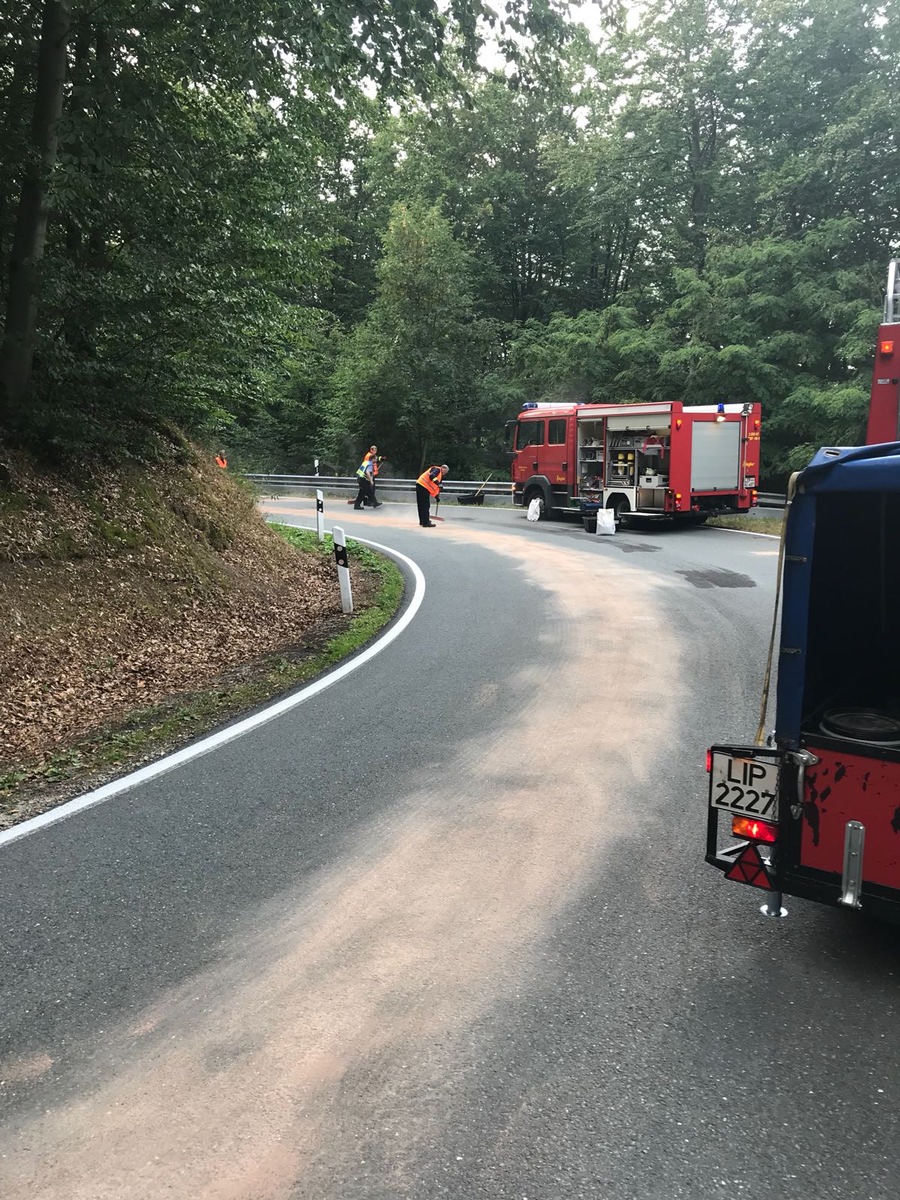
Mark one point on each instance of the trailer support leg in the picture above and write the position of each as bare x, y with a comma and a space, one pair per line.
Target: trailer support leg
772, 906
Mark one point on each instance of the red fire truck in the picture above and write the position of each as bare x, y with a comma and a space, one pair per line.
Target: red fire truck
884, 401
815, 805
650, 460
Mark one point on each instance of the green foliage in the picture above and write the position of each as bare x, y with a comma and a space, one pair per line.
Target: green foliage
294, 230
410, 376
189, 228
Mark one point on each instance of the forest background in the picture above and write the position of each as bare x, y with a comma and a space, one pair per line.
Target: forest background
290, 229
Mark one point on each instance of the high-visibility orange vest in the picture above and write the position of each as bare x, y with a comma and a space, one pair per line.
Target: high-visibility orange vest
221, 462
431, 480
374, 457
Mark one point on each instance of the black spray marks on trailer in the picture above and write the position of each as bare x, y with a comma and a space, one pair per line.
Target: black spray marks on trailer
811, 808
717, 579
895, 823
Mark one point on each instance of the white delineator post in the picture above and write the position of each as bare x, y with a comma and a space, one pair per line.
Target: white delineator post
320, 515
343, 568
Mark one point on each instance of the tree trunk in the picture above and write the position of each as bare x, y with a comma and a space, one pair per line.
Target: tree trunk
17, 352
13, 104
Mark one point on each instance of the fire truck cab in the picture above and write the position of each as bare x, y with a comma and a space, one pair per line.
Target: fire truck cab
650, 460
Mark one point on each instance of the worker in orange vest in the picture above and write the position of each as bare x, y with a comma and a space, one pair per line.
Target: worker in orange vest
427, 485
365, 474
221, 460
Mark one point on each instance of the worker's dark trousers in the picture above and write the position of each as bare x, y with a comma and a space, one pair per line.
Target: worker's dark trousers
366, 492
423, 500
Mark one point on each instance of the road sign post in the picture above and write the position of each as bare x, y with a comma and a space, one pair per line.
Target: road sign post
343, 568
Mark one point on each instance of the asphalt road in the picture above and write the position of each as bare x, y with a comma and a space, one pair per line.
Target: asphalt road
445, 929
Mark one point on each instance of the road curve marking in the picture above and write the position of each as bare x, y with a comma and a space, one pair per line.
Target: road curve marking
239, 728
745, 532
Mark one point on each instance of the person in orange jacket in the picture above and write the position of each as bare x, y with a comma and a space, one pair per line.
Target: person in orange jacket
427, 485
221, 460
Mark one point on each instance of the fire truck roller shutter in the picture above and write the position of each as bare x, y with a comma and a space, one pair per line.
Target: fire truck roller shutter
716, 456
538, 488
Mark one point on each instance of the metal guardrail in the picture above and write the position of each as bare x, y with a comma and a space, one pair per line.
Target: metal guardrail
771, 499
495, 488
452, 487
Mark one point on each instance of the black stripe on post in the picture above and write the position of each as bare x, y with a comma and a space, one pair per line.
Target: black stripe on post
340, 555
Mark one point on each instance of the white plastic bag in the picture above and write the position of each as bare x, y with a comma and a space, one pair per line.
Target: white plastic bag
606, 521
534, 510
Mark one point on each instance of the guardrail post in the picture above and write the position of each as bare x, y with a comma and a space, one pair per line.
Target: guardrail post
343, 568
320, 515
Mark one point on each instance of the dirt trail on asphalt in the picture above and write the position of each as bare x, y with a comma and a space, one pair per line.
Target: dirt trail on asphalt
314, 1053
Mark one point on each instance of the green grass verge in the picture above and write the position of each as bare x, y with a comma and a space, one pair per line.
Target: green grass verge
749, 524
164, 726
366, 623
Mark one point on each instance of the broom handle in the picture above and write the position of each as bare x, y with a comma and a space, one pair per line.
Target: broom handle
484, 485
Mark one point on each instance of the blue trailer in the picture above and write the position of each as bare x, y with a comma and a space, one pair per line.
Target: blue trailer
812, 809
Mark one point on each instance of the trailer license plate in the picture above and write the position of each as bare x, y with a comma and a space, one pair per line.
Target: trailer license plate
748, 786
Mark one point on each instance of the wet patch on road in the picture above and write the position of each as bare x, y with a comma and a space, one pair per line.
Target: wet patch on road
635, 547
717, 579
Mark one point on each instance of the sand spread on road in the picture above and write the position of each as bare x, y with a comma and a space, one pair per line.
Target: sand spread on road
309, 1054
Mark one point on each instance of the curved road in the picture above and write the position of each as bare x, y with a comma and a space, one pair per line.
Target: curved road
444, 930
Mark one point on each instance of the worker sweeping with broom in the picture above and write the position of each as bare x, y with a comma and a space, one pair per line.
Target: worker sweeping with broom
427, 485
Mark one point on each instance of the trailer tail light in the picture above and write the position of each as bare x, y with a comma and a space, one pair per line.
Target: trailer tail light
678, 499
756, 424
886, 348
756, 831
708, 761
754, 497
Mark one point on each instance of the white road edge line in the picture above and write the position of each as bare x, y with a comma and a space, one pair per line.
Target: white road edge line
745, 532
239, 728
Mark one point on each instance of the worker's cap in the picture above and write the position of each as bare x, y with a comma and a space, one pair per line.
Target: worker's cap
445, 467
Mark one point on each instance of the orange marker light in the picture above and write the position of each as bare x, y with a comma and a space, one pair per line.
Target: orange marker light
678, 422
886, 347
757, 831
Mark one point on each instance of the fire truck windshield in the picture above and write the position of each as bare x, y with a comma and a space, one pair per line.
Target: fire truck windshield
529, 433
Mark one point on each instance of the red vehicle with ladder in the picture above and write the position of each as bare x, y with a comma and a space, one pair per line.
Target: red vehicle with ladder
815, 804
682, 462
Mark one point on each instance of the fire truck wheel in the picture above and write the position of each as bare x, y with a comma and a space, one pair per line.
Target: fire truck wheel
620, 506
536, 494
